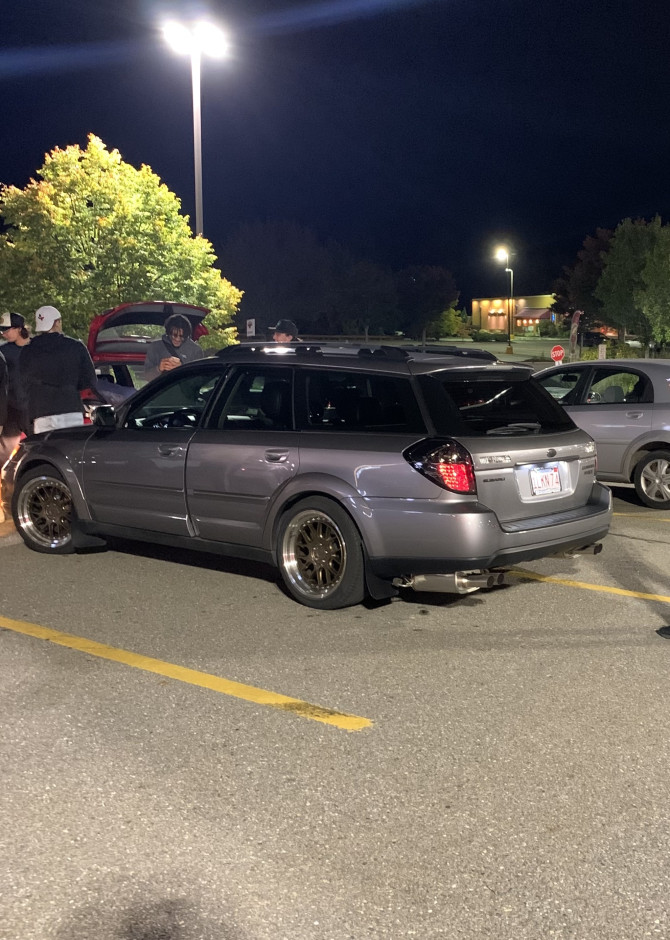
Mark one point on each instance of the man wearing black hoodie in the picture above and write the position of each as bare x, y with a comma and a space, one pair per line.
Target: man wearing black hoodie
54, 370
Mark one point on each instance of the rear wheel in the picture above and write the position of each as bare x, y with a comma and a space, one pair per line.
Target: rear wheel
652, 479
42, 511
320, 555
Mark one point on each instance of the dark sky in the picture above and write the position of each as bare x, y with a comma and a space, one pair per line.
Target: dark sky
413, 132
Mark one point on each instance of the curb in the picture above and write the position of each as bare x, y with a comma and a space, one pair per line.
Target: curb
8, 534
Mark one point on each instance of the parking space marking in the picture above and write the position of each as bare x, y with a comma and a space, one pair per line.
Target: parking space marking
648, 516
522, 574
205, 680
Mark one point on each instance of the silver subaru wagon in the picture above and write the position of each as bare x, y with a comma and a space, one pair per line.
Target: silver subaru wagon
357, 472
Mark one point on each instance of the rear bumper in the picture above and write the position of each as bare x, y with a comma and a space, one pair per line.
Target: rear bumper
431, 539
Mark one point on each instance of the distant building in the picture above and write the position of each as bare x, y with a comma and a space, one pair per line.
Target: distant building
490, 313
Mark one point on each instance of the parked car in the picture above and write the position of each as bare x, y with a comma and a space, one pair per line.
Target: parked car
357, 472
624, 404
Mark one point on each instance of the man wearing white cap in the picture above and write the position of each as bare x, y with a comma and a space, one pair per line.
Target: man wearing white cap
54, 370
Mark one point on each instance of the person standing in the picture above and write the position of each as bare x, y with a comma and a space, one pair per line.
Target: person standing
14, 331
54, 370
172, 349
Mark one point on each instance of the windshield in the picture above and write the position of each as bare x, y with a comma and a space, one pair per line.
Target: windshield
493, 405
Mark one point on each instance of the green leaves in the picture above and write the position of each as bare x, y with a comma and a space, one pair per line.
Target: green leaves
94, 232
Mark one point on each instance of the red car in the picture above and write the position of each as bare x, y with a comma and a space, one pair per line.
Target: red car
118, 340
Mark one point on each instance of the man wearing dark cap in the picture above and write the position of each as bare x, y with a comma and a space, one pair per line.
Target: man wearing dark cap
15, 335
285, 331
172, 349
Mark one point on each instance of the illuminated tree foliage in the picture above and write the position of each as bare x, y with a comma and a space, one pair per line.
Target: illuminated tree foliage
93, 232
621, 281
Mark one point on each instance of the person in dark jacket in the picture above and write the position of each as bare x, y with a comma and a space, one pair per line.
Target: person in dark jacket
16, 335
4, 391
54, 370
172, 349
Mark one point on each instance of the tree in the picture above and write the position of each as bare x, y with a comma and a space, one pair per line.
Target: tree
621, 281
653, 298
576, 289
286, 271
451, 322
95, 232
424, 292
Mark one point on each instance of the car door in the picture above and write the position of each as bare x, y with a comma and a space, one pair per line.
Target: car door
246, 453
133, 474
615, 408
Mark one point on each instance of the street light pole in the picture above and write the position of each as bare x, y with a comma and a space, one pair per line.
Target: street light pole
193, 40
502, 254
197, 137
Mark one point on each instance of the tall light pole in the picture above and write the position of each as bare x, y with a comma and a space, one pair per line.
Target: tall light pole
196, 39
502, 254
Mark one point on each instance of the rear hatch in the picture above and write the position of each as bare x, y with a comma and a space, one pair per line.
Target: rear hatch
530, 460
123, 333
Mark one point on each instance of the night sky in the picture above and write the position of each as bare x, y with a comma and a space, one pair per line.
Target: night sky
413, 132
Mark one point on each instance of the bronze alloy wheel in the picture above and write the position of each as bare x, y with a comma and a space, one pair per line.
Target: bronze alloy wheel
320, 555
43, 511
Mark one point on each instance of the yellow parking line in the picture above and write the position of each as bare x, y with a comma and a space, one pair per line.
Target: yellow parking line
650, 515
203, 679
531, 575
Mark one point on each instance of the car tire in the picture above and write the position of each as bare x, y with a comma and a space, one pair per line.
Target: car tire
320, 555
652, 479
43, 512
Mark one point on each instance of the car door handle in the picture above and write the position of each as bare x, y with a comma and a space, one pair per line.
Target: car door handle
634, 414
276, 456
171, 450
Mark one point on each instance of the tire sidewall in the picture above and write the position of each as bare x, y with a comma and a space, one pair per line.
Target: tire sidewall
351, 589
637, 479
47, 472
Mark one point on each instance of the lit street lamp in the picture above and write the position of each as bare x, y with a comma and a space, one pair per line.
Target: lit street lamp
502, 254
195, 40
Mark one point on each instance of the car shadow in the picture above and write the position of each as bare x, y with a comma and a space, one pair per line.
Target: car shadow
195, 559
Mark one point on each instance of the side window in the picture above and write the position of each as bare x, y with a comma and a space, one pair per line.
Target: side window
256, 397
561, 385
624, 387
346, 401
177, 405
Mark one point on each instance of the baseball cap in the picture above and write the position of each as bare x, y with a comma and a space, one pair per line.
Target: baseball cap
284, 326
10, 320
45, 317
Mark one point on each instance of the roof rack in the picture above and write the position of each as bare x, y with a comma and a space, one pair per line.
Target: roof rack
306, 350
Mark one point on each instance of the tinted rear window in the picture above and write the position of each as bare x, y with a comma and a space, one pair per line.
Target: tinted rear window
495, 405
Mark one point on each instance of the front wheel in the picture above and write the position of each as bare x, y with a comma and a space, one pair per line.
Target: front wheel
652, 479
42, 511
320, 555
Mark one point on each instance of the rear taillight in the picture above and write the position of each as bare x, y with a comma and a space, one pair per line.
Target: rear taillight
446, 463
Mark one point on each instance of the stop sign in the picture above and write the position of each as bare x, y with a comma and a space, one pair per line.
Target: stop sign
557, 353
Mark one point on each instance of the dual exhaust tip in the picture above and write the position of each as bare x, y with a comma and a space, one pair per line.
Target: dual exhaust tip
458, 582
465, 582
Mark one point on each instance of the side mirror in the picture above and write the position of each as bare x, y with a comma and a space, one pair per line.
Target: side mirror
104, 416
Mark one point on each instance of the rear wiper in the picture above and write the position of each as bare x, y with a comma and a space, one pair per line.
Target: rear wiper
517, 427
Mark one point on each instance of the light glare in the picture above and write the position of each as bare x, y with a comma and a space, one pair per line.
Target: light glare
178, 37
201, 37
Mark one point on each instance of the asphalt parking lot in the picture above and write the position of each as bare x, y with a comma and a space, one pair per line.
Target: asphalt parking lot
187, 753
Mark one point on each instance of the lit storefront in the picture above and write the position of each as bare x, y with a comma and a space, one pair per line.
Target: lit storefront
490, 313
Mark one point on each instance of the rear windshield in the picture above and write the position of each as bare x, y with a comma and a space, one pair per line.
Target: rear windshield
493, 405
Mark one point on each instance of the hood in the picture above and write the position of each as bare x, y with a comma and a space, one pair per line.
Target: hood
120, 334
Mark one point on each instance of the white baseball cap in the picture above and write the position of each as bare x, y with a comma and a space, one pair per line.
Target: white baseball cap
45, 317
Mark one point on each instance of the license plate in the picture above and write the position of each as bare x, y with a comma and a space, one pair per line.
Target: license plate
544, 480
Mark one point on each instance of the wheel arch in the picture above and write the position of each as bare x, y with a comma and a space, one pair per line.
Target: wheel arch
638, 451
321, 485
55, 459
